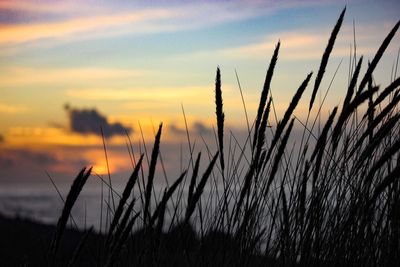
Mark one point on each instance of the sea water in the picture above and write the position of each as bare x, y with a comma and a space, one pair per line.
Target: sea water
44, 203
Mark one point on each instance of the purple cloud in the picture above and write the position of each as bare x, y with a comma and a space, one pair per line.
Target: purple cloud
89, 121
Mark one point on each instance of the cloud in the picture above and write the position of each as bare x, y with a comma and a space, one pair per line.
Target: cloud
304, 44
11, 109
89, 121
20, 33
44, 7
82, 21
144, 94
176, 130
201, 128
13, 157
1, 139
16, 76
309, 44
197, 128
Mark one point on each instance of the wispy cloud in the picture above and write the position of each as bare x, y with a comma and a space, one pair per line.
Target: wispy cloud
12, 109
160, 102
82, 22
47, 136
310, 44
13, 157
139, 94
19, 33
34, 6
197, 128
15, 76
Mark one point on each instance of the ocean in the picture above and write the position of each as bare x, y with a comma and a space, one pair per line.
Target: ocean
42, 203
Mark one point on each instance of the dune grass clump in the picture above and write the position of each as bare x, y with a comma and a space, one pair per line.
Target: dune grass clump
332, 200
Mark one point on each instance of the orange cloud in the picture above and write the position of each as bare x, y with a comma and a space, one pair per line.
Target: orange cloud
19, 33
295, 46
142, 94
35, 6
29, 76
306, 44
47, 136
86, 20
7, 108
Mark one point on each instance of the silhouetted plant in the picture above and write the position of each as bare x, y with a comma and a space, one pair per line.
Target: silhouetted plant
334, 205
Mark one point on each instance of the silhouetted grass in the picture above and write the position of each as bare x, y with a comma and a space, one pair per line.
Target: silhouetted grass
336, 204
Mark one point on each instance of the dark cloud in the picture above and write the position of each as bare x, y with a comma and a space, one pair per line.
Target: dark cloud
201, 128
176, 130
13, 158
1, 139
89, 121
197, 128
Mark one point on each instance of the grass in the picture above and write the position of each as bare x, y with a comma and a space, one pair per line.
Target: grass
337, 203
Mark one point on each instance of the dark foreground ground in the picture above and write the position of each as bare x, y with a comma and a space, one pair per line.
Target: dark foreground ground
26, 243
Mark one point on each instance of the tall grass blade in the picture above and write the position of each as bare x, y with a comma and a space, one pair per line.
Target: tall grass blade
325, 58
194, 177
347, 111
72, 196
350, 90
125, 195
278, 156
322, 139
199, 190
377, 57
264, 93
167, 195
150, 179
386, 92
387, 181
220, 117
288, 113
121, 226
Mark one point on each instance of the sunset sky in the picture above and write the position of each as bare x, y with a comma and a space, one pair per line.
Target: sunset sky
68, 66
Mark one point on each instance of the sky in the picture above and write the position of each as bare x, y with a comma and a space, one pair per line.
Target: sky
70, 68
